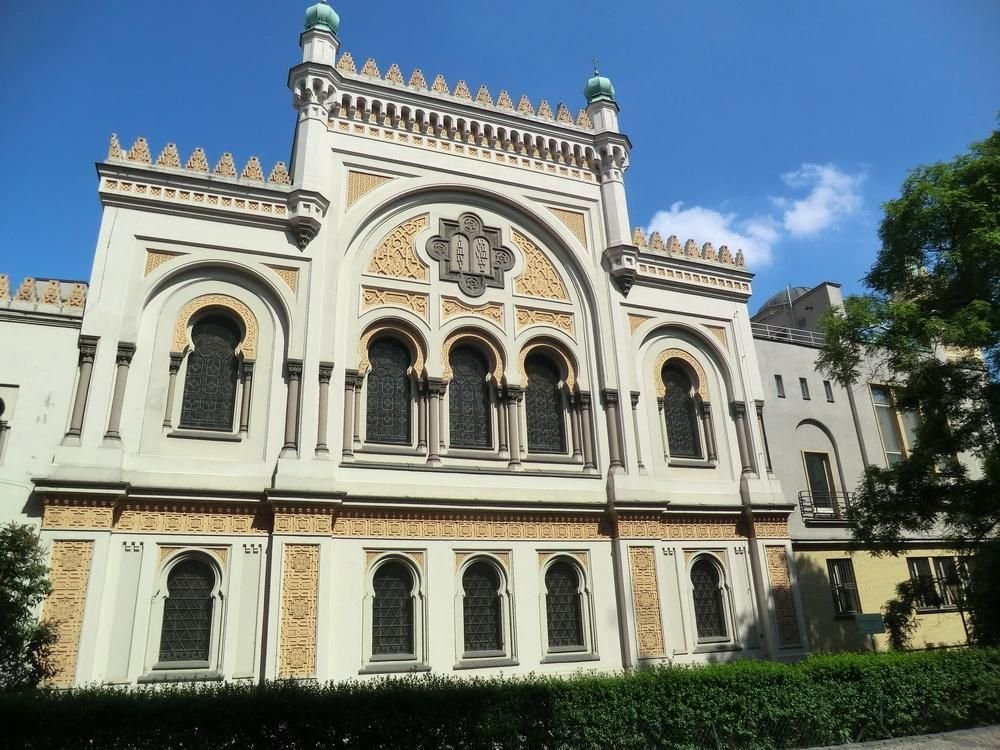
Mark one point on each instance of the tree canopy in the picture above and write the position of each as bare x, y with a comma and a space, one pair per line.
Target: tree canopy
930, 327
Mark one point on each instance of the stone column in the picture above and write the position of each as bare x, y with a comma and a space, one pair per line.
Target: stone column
293, 369
739, 410
356, 437
587, 428
574, 425
350, 378
325, 373
422, 396
174, 368
662, 419
512, 395
763, 435
634, 396
502, 425
245, 396
435, 388
609, 397
709, 428
122, 361
88, 350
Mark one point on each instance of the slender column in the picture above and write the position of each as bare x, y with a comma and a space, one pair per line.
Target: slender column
709, 427
440, 416
325, 373
350, 377
763, 434
513, 394
662, 419
436, 388
574, 426
356, 437
122, 361
293, 368
609, 397
502, 425
422, 396
634, 395
174, 368
245, 396
739, 410
88, 350
4, 427
587, 427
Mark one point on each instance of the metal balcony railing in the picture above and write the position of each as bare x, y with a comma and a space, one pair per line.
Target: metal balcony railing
825, 507
788, 335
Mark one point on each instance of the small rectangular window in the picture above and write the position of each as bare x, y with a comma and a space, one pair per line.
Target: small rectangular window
804, 385
779, 384
829, 390
844, 587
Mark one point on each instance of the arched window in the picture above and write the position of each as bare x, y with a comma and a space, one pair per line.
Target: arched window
388, 396
212, 372
186, 633
392, 610
544, 406
681, 412
564, 607
709, 606
481, 609
470, 424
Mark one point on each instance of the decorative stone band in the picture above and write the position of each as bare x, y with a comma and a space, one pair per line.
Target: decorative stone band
695, 277
299, 608
479, 526
258, 206
646, 602
699, 527
155, 517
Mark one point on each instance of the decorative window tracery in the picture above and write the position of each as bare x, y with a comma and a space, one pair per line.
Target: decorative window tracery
470, 422
482, 609
388, 407
564, 607
544, 406
211, 377
709, 606
186, 633
392, 610
680, 410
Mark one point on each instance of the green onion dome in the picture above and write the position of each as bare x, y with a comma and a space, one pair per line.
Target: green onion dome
321, 16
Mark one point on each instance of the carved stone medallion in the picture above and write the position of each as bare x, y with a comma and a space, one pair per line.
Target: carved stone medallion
471, 254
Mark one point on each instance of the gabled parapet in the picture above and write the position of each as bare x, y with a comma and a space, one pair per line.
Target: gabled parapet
672, 247
46, 296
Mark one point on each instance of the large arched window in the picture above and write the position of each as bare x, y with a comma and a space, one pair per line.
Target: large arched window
482, 609
388, 396
470, 424
393, 611
186, 633
680, 409
709, 601
212, 374
564, 607
544, 406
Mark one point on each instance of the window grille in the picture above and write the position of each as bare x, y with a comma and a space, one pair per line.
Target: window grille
470, 424
212, 372
844, 587
938, 583
680, 410
187, 613
709, 614
544, 406
388, 406
481, 609
563, 606
392, 610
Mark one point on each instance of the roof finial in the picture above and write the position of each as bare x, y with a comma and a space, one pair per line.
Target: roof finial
596, 71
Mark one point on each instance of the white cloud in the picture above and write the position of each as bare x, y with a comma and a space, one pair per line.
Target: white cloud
833, 194
754, 236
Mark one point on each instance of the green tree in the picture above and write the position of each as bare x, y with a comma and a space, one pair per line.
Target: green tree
25, 643
930, 325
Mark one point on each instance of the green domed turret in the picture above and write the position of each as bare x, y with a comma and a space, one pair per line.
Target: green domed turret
321, 16
598, 89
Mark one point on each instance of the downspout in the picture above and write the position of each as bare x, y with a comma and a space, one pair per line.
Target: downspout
618, 567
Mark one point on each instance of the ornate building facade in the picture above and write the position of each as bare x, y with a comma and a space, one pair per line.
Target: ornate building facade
419, 401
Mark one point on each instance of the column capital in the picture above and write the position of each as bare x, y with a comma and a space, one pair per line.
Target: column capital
437, 386
739, 409
325, 371
88, 348
513, 393
584, 398
293, 367
125, 353
609, 397
634, 396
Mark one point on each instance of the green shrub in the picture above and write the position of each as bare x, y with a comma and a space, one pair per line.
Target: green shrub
824, 700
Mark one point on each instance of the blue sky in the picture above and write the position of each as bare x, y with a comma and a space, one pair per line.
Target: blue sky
779, 125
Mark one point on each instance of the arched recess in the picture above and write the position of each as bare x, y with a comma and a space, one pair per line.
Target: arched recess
692, 364
816, 443
410, 337
207, 302
695, 339
559, 353
481, 340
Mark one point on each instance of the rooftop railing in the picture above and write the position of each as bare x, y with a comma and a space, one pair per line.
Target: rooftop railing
788, 335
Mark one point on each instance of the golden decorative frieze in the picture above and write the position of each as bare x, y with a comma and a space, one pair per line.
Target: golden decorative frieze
299, 611
634, 321
491, 311
443, 525
558, 352
680, 527
77, 513
720, 334
194, 518
399, 330
219, 553
574, 221
372, 297
781, 592
646, 602
249, 343
502, 556
416, 556
694, 277
531, 316
582, 557
303, 519
156, 258
539, 277
69, 572
771, 527
494, 351
289, 275
360, 184
192, 197
396, 255
687, 358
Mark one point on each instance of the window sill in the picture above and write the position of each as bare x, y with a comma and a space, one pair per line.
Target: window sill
393, 667
479, 454
486, 663
692, 463
936, 610
387, 449
569, 657
715, 648
181, 675
553, 458
225, 437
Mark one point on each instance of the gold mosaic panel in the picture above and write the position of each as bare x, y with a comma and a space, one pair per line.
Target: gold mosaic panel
190, 519
634, 321
680, 527
459, 526
574, 221
646, 602
396, 255
289, 275
156, 258
529, 316
781, 590
372, 297
720, 335
77, 514
539, 277
360, 184
249, 344
684, 357
303, 520
491, 311
68, 574
299, 605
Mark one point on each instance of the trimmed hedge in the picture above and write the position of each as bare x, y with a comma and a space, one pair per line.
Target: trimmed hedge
826, 699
